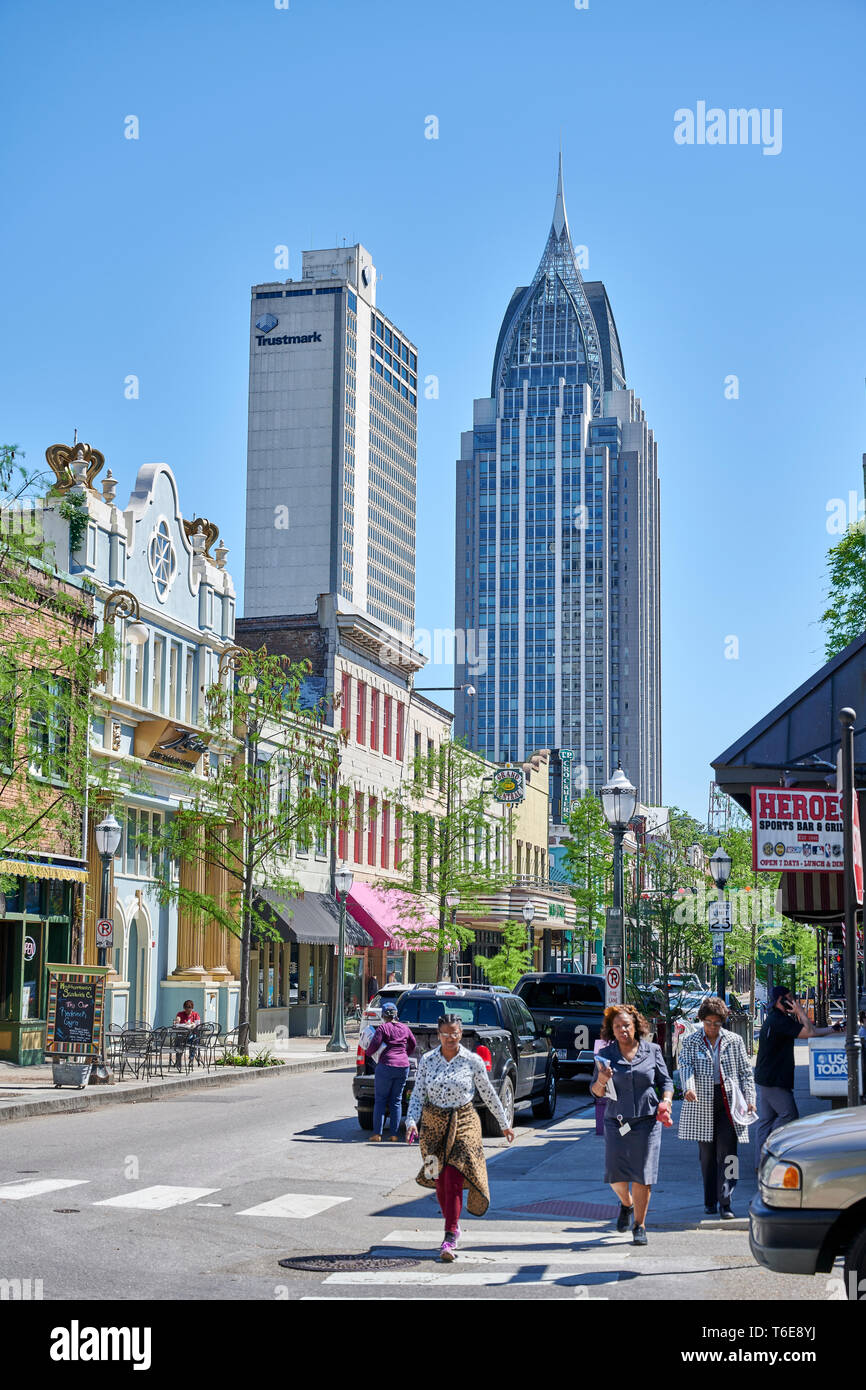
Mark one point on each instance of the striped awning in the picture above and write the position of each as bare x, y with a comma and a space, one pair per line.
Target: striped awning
34, 868
813, 897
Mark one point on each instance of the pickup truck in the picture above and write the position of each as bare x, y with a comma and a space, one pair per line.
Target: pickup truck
498, 1026
570, 1009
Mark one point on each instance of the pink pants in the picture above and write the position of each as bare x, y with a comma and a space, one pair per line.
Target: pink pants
449, 1191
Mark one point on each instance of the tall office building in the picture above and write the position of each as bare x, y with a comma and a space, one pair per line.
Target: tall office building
331, 461
557, 574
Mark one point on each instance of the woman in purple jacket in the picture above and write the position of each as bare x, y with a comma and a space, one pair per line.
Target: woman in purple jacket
392, 1069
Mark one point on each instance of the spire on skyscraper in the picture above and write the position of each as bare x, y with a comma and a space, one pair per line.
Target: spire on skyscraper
560, 217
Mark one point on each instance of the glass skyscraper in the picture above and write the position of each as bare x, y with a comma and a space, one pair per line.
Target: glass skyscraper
557, 573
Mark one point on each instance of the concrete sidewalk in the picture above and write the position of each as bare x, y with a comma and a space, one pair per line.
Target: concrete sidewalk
29, 1091
568, 1182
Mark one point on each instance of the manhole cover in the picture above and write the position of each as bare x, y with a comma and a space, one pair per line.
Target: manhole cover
332, 1264
67, 1211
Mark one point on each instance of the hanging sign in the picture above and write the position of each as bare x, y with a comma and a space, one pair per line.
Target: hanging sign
509, 785
797, 829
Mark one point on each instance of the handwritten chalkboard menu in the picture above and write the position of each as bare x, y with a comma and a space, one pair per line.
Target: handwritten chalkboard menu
76, 1007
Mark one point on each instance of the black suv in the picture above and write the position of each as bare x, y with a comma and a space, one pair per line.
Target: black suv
497, 1025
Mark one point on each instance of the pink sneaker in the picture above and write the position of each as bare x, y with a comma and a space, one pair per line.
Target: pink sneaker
447, 1251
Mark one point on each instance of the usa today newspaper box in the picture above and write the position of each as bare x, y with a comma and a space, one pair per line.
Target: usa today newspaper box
828, 1067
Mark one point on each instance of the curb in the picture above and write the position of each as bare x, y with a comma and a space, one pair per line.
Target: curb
94, 1098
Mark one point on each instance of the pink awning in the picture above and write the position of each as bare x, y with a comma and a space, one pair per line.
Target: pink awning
387, 912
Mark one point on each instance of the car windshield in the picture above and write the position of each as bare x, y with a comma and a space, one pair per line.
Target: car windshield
389, 997
414, 1008
561, 994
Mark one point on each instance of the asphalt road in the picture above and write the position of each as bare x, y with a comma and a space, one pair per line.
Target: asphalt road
199, 1197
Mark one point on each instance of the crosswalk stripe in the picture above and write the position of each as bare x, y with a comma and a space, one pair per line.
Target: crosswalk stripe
294, 1204
158, 1198
637, 1263
15, 1191
496, 1237
475, 1278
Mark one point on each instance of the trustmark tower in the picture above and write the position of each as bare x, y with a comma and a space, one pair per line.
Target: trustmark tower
558, 538
331, 461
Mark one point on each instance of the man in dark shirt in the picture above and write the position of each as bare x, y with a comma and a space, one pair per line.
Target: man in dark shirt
774, 1069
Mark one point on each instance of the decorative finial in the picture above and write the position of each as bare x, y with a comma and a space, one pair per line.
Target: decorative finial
220, 555
109, 487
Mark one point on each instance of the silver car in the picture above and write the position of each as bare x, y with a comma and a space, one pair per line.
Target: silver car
811, 1203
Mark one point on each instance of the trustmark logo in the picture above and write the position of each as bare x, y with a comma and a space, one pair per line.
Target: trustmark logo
266, 323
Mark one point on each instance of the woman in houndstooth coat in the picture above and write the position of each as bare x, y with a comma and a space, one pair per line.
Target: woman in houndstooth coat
713, 1068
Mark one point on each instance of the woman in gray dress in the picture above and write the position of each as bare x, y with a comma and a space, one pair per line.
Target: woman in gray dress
628, 1072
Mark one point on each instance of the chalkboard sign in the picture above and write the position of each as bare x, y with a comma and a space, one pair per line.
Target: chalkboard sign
76, 1007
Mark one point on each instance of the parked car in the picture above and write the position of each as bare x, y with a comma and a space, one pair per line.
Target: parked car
388, 994
811, 1202
570, 1007
498, 1026
680, 984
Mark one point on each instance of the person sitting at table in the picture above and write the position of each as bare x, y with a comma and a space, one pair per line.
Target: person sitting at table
186, 1021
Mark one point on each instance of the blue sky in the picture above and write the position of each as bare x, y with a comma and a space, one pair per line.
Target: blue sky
261, 127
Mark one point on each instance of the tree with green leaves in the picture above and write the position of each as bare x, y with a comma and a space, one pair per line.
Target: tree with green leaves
450, 850
51, 657
273, 789
844, 618
589, 860
512, 959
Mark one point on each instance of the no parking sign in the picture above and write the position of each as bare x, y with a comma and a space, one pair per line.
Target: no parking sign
613, 985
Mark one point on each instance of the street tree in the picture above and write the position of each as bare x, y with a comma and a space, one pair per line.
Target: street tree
512, 959
588, 858
844, 618
451, 848
273, 790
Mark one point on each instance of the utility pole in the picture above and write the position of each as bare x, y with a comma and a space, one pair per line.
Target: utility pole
852, 1039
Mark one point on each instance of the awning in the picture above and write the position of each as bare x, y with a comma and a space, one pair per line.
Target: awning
388, 912
813, 897
313, 919
33, 868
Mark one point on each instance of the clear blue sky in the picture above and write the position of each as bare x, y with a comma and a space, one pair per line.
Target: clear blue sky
261, 126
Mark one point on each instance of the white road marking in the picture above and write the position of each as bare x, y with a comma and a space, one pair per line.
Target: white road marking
475, 1278
411, 1239
157, 1198
529, 1259
295, 1204
15, 1191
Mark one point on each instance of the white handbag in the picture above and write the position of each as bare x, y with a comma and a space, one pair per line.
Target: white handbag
740, 1112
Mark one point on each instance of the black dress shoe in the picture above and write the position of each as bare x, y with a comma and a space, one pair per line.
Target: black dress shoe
727, 1213
711, 1211
625, 1218
639, 1235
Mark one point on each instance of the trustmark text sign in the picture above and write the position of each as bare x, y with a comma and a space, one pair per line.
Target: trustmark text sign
797, 829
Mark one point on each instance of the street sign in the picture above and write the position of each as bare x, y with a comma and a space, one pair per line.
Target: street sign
105, 932
613, 985
613, 931
508, 785
720, 916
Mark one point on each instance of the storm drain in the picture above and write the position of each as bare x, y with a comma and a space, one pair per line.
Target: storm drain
67, 1211
334, 1264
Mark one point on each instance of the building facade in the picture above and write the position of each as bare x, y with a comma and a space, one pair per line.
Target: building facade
148, 729
42, 869
331, 460
557, 557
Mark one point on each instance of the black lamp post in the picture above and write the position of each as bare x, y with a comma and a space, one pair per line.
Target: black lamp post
529, 917
453, 899
107, 835
720, 868
618, 801
337, 1041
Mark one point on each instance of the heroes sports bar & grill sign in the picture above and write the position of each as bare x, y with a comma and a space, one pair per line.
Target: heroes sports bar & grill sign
799, 829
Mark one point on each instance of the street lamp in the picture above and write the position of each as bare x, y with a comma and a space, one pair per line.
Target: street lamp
107, 835
453, 899
528, 916
342, 883
618, 801
720, 868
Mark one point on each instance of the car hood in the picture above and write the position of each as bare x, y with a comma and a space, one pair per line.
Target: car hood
836, 1129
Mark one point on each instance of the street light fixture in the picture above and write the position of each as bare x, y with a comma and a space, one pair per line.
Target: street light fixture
107, 835
618, 801
342, 883
123, 604
720, 868
528, 917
